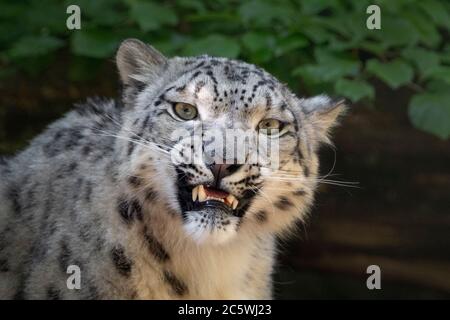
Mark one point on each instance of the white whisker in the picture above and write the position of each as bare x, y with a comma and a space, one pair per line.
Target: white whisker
148, 144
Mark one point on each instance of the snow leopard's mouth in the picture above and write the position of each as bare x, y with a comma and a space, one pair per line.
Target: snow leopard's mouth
202, 197
203, 194
207, 197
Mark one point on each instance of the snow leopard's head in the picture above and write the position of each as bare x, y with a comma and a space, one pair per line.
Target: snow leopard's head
222, 143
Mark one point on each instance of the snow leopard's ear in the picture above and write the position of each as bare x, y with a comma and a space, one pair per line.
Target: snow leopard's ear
323, 113
139, 63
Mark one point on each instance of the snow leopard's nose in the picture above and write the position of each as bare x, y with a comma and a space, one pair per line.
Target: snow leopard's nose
221, 171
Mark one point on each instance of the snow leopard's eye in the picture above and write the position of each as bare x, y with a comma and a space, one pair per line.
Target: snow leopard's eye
185, 111
270, 126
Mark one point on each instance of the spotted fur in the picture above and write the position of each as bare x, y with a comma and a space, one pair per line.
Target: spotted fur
98, 190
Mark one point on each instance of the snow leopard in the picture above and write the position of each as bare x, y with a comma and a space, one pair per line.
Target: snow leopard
100, 191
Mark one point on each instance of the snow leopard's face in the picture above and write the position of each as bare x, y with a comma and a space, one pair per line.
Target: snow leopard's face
223, 143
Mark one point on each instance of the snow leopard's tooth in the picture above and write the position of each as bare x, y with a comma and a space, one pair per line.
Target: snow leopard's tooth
201, 193
229, 199
235, 204
214, 198
194, 193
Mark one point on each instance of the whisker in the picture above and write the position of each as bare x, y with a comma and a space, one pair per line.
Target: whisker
119, 125
148, 144
350, 184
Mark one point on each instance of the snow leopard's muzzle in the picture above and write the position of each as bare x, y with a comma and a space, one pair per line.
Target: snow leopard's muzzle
208, 197
214, 200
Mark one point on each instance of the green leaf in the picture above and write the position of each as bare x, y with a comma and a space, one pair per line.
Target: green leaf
320, 72
151, 16
377, 48
260, 45
354, 89
254, 41
347, 25
328, 67
437, 86
11, 9
172, 45
396, 32
315, 32
427, 32
101, 12
424, 60
394, 73
431, 112
442, 73
392, 7
314, 7
45, 15
192, 4
214, 45
263, 13
29, 46
94, 43
436, 12
290, 43
209, 18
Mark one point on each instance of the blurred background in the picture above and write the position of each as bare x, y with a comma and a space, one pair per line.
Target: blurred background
394, 141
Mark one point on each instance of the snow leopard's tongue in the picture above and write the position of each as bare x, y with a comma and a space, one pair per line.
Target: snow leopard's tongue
215, 193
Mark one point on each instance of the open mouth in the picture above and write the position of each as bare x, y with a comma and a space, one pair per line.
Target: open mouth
205, 194
207, 197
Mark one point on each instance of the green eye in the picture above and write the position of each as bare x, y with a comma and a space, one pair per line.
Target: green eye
185, 111
270, 126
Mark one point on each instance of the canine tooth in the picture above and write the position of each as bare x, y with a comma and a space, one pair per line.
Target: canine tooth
201, 193
230, 198
235, 204
194, 193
